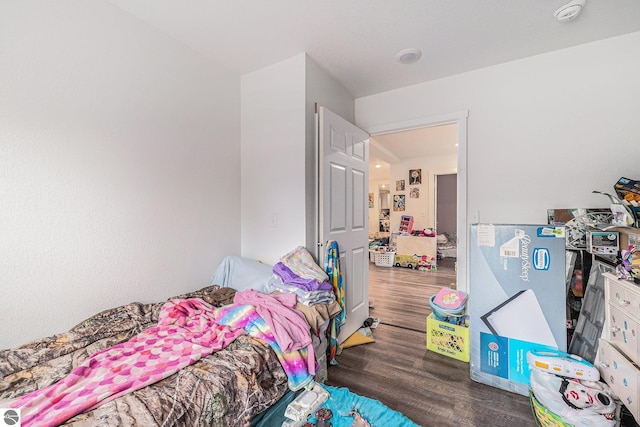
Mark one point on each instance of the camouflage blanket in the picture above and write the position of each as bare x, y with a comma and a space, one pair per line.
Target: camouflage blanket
227, 388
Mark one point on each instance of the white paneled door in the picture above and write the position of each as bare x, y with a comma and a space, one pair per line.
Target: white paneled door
343, 203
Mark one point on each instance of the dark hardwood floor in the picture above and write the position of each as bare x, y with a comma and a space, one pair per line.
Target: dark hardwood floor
398, 370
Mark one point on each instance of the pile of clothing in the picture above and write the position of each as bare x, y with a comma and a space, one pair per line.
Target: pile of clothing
297, 273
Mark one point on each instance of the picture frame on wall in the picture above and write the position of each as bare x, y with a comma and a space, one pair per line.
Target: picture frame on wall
415, 176
398, 202
414, 193
400, 185
371, 198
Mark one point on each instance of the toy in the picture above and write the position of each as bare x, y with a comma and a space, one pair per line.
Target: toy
579, 395
427, 232
418, 262
629, 266
565, 364
425, 262
359, 420
408, 261
304, 405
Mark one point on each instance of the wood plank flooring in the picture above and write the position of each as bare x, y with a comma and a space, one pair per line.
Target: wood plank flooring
400, 296
398, 370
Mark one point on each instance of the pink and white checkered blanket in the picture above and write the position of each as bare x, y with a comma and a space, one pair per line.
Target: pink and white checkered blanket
186, 332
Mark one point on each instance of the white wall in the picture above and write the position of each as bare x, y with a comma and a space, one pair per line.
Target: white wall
278, 154
542, 131
273, 160
119, 165
422, 208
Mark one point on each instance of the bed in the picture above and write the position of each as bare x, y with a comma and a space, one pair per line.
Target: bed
228, 387
447, 245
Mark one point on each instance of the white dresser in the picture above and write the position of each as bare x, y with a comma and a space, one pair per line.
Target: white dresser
618, 357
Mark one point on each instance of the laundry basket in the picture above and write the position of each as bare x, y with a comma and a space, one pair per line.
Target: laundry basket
384, 259
544, 417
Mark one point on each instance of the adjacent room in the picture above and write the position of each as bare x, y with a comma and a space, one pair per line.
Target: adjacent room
195, 231
413, 195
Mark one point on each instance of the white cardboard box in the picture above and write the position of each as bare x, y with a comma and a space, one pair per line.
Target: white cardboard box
517, 300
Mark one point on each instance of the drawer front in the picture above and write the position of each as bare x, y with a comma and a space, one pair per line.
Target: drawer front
621, 295
623, 331
620, 374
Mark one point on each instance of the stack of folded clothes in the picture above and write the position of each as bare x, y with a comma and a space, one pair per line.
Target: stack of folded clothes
298, 273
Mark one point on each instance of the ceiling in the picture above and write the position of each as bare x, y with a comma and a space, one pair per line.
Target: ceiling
356, 41
397, 147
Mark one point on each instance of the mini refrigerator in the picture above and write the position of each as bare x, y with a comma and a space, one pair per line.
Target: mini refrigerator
517, 300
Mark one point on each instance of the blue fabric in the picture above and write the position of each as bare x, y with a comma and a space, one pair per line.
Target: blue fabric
242, 274
341, 401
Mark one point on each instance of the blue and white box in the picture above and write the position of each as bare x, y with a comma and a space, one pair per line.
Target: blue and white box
517, 300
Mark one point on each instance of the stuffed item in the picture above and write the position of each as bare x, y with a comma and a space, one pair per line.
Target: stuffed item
580, 396
358, 420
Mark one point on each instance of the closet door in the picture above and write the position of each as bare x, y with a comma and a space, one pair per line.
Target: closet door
446, 203
343, 204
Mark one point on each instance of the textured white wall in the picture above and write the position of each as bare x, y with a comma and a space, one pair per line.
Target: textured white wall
278, 154
119, 165
543, 131
273, 160
422, 208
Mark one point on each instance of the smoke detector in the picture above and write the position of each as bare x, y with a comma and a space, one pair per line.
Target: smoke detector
569, 11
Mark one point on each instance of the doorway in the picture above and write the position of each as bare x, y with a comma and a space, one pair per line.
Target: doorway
459, 120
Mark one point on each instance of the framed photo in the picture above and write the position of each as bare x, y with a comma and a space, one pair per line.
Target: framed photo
415, 176
400, 185
398, 202
371, 196
414, 193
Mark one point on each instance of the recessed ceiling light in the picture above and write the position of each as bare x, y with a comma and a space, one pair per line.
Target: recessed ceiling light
378, 166
408, 56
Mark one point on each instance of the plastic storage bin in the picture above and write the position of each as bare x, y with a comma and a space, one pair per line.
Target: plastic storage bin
448, 339
457, 316
384, 259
